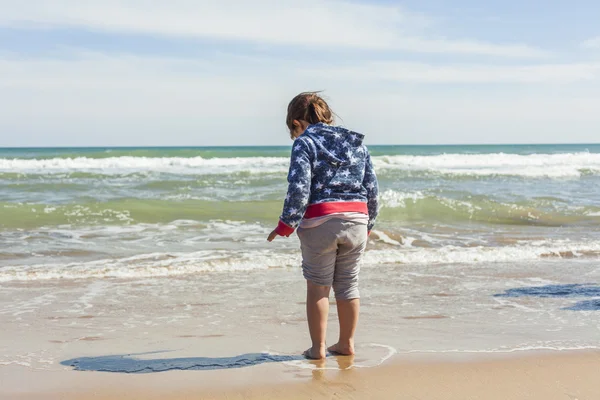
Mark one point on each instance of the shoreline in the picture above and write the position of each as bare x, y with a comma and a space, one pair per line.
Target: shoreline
531, 374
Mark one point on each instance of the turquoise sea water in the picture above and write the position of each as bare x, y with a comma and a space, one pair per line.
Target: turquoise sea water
493, 195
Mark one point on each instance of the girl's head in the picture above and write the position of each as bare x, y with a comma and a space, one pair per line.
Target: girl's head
305, 109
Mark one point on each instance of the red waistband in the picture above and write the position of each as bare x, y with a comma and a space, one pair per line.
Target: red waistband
321, 209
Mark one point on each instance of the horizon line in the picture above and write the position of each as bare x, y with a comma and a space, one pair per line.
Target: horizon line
263, 146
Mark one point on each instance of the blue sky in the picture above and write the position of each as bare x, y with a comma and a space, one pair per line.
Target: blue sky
195, 72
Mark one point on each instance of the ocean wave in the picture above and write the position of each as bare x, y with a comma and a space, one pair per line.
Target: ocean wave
418, 205
563, 165
223, 261
396, 206
129, 211
130, 165
152, 265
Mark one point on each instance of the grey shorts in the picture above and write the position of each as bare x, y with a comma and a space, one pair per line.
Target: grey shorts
331, 255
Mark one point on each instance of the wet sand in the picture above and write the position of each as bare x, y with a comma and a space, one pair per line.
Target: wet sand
533, 375
419, 334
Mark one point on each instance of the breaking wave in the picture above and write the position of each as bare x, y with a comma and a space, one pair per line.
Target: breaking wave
563, 165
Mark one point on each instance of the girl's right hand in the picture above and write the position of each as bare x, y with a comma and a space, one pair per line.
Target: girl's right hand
272, 235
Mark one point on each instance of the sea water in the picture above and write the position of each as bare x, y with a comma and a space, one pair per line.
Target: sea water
476, 249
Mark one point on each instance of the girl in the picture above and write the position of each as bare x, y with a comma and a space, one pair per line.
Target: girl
332, 200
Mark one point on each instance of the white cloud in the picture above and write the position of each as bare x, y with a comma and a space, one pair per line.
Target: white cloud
84, 69
316, 23
92, 83
593, 43
463, 74
96, 99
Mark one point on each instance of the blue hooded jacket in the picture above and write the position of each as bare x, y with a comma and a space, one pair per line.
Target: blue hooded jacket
330, 172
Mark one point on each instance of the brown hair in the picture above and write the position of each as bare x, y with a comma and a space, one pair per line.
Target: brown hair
309, 107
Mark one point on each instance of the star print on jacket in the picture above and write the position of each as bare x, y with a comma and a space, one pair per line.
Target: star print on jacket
330, 172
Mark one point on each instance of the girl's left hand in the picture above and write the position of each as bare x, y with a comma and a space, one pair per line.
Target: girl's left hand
272, 236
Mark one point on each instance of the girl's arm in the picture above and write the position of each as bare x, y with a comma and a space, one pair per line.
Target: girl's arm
372, 186
299, 179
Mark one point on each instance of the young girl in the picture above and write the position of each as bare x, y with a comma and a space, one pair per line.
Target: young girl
332, 200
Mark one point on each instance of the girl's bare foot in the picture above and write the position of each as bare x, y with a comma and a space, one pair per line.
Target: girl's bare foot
315, 353
346, 349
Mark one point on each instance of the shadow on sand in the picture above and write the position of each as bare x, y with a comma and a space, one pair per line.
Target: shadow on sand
589, 305
553, 291
130, 365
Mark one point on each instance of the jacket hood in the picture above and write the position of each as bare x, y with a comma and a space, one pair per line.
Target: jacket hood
336, 144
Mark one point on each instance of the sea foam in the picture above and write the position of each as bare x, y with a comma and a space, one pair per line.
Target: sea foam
564, 165
223, 261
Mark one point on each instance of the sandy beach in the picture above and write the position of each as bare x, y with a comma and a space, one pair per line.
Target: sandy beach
534, 375
184, 339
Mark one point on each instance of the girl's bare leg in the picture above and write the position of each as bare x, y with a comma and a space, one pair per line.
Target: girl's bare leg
317, 310
348, 314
